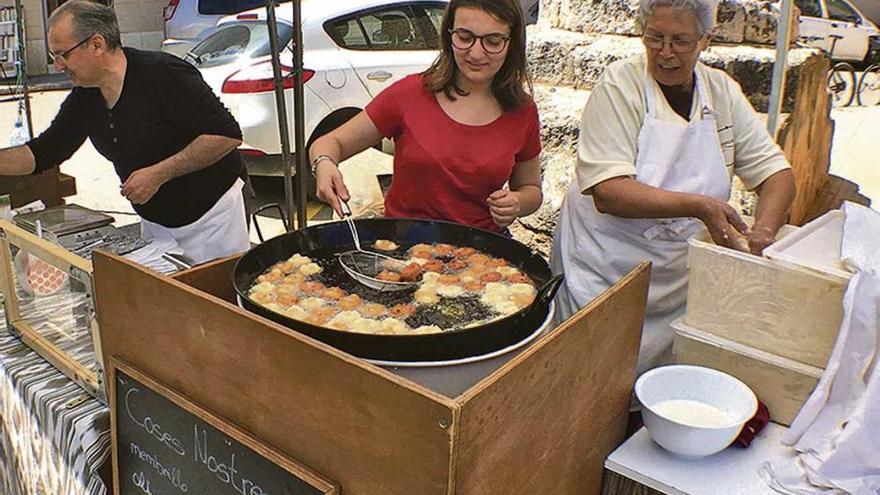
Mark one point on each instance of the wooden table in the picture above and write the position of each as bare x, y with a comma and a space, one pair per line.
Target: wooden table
641, 467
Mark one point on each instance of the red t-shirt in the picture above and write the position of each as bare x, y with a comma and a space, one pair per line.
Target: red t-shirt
443, 169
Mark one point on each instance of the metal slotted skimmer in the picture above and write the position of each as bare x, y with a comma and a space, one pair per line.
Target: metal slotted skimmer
364, 266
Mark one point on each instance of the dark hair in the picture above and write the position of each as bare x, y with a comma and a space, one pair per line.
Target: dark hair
510, 82
89, 18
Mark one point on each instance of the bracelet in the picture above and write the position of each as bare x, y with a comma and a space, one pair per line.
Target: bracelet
318, 159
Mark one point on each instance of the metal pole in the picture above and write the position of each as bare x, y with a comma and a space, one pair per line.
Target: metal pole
21, 64
299, 117
280, 106
780, 68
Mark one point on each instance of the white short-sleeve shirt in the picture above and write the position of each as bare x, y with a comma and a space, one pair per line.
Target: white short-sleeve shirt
615, 111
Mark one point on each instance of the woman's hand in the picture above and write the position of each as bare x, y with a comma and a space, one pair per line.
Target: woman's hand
760, 238
724, 224
330, 188
504, 206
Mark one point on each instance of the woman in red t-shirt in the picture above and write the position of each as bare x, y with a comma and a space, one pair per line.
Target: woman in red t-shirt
461, 129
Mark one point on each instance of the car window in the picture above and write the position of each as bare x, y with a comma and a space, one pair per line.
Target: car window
809, 8
226, 7
401, 27
842, 11
347, 33
234, 40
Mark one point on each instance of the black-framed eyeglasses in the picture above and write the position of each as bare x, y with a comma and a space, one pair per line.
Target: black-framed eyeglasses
678, 45
492, 43
63, 55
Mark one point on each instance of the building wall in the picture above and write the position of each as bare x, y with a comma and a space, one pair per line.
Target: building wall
140, 22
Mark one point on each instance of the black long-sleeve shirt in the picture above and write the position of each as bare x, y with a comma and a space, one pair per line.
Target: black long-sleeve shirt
164, 105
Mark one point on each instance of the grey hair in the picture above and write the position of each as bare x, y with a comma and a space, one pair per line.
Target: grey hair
705, 10
89, 18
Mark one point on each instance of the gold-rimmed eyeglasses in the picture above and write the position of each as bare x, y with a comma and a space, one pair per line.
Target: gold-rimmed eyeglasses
55, 57
678, 45
493, 43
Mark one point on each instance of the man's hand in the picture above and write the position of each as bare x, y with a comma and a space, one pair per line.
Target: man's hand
503, 206
142, 184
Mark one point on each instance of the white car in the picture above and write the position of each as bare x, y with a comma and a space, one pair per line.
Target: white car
189, 21
352, 50
837, 27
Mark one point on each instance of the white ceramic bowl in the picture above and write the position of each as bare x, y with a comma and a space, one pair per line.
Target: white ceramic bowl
694, 411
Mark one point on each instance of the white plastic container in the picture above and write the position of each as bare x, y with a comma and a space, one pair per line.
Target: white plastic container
816, 246
712, 408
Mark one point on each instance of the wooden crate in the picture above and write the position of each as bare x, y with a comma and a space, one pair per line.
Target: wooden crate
792, 312
782, 384
41, 323
541, 423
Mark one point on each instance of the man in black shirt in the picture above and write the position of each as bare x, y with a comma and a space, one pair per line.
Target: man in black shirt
170, 139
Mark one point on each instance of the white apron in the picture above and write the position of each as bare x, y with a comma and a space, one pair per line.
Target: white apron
594, 250
222, 231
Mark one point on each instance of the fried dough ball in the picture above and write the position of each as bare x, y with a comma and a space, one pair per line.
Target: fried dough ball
443, 249
492, 276
286, 299
273, 275
334, 293
311, 287
420, 247
392, 326
522, 299
350, 301
263, 287
433, 266
518, 278
295, 312
320, 316
463, 252
299, 260
310, 269
456, 265
402, 310
312, 303
448, 279
262, 297
372, 310
426, 296
294, 278
411, 272
385, 245
496, 262
478, 259
450, 290
389, 276
286, 267
473, 286
424, 254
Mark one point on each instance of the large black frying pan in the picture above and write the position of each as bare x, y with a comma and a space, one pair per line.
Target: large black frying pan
322, 242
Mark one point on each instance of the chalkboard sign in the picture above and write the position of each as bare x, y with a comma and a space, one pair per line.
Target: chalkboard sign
166, 445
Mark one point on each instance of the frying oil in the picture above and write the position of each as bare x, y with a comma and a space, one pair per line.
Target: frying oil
692, 413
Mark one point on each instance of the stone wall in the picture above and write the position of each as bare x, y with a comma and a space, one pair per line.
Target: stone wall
749, 21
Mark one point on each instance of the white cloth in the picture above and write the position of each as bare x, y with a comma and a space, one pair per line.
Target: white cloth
595, 250
221, 231
836, 435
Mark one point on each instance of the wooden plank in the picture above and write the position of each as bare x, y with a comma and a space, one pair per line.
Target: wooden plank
302, 472
7, 279
351, 422
546, 421
71, 368
782, 384
806, 136
49, 186
748, 299
214, 277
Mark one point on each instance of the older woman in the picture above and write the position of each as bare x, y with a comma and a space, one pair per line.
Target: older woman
462, 129
661, 136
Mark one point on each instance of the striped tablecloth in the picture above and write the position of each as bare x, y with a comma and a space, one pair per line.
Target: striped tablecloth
54, 438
